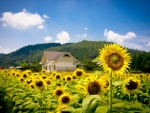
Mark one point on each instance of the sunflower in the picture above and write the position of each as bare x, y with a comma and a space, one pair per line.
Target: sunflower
48, 82
142, 77
57, 76
44, 71
43, 77
114, 58
21, 79
17, 75
106, 80
78, 73
39, 84
53, 74
28, 81
65, 98
19, 71
32, 86
132, 86
64, 78
95, 86
58, 92
68, 78
60, 108
27, 71
34, 74
24, 75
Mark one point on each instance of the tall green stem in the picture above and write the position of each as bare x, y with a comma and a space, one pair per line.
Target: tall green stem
110, 98
41, 103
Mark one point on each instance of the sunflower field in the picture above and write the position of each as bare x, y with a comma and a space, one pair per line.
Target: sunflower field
113, 90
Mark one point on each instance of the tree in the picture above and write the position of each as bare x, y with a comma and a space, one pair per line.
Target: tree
89, 65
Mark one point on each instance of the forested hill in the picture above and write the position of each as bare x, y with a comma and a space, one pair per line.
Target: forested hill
26, 53
80, 50
83, 49
1, 54
87, 49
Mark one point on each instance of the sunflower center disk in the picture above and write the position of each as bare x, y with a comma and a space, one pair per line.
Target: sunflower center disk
59, 92
39, 83
132, 85
115, 61
78, 73
65, 99
48, 82
94, 88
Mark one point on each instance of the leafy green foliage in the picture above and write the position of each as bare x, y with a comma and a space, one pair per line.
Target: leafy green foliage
90, 104
141, 62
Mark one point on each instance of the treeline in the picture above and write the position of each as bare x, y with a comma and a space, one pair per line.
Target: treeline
85, 51
141, 61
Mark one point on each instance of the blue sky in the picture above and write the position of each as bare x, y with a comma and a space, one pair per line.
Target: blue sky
29, 22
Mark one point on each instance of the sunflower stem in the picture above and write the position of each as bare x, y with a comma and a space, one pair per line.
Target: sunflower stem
129, 97
41, 102
110, 91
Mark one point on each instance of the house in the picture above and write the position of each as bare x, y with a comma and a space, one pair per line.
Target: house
58, 61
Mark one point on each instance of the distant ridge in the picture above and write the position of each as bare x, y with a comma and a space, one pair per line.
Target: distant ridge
80, 50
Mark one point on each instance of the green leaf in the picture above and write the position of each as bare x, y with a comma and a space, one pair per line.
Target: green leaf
71, 109
14, 108
18, 102
118, 105
30, 106
90, 103
19, 111
101, 109
128, 106
9, 88
146, 110
15, 98
78, 110
22, 94
137, 105
20, 106
27, 102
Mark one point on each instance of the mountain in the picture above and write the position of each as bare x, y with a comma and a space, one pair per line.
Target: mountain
27, 53
80, 50
2, 54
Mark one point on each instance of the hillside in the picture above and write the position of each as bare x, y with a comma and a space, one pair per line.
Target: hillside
87, 49
80, 50
23, 54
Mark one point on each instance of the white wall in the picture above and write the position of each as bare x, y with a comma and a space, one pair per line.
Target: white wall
65, 63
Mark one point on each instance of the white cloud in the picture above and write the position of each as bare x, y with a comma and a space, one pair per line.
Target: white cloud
133, 46
115, 37
4, 24
48, 39
22, 19
5, 51
84, 35
14, 49
130, 35
40, 27
63, 37
86, 28
148, 44
45, 16
77, 36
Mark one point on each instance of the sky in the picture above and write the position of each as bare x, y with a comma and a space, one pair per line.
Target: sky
29, 22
